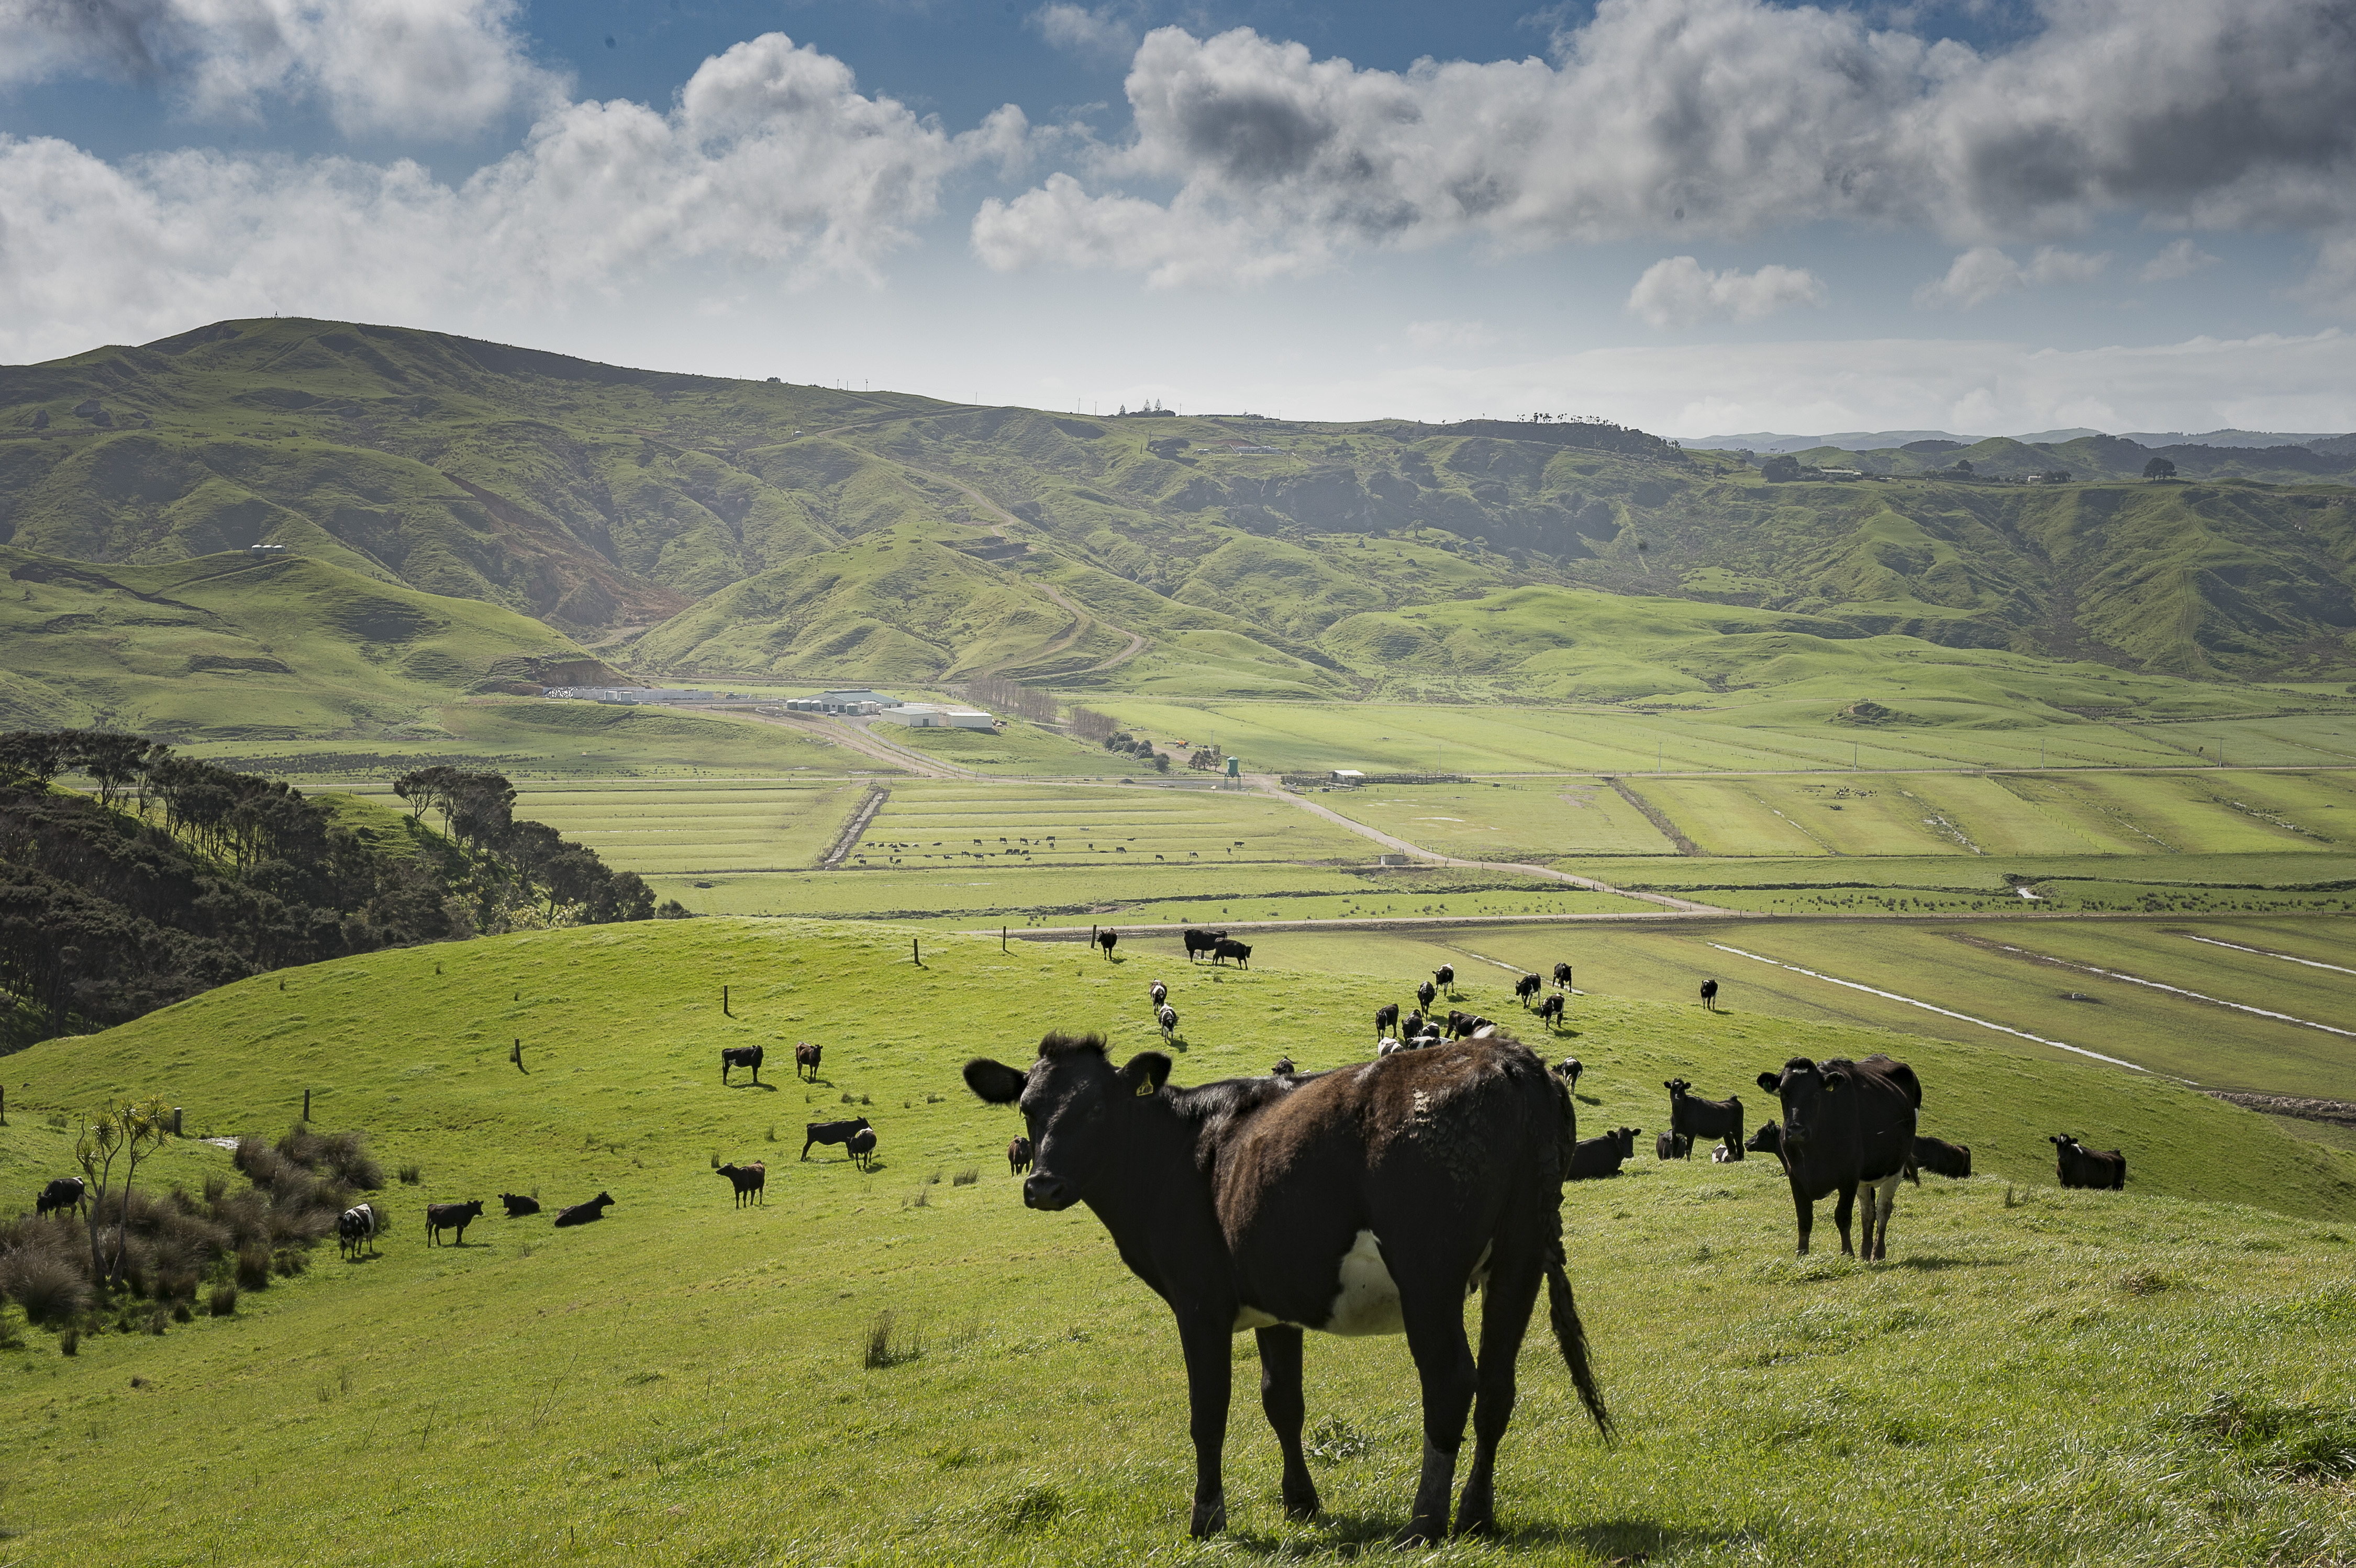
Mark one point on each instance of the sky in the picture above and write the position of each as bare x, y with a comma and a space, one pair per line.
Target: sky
1698, 217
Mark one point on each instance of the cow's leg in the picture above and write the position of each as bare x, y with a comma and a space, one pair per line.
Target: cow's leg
1444, 1362
806, 1147
1805, 1209
1280, 1401
1841, 1211
1505, 1303
1210, 1379
1879, 1233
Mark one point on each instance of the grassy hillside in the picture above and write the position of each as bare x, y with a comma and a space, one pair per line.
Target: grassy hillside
684, 1382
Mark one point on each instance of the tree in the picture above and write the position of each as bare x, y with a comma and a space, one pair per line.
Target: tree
1781, 468
1963, 465
128, 1133
2160, 468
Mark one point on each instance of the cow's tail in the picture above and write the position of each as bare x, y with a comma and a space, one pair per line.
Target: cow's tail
1910, 1173
1571, 1334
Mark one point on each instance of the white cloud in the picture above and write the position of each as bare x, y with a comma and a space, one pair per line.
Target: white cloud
771, 159
429, 68
2330, 284
1429, 335
1982, 272
1679, 292
1718, 117
1102, 31
2182, 259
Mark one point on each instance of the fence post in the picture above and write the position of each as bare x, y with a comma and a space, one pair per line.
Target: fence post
176, 1120
723, 1001
306, 1105
917, 952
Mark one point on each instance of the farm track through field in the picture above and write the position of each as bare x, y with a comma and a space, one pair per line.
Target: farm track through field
848, 840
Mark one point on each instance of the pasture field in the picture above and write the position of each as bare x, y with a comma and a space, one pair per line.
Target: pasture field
720, 825
1019, 749
683, 1382
1129, 829
1518, 818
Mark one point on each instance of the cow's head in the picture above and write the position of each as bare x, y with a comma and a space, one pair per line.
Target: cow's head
2061, 1142
1675, 1086
1803, 1087
1075, 1102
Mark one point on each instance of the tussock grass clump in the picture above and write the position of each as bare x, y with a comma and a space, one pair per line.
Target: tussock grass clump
886, 1341
2268, 1437
1033, 1506
412, 1173
40, 1272
69, 1342
342, 1155
223, 1301
966, 1176
253, 1268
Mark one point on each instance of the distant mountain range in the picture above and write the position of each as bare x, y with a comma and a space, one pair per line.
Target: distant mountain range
1768, 441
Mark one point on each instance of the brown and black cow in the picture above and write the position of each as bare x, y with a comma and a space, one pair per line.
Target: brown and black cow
1369, 1199
751, 1182
2078, 1166
806, 1056
1846, 1124
1941, 1158
1018, 1156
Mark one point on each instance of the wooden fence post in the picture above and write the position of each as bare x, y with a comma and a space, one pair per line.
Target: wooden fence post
176, 1120
306, 1105
723, 1001
917, 952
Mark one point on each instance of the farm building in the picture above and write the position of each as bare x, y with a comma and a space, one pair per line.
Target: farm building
1348, 778
932, 716
633, 694
858, 701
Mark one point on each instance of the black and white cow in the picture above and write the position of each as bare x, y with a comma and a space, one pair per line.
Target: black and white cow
2078, 1166
60, 1194
357, 1229
1847, 1125
1550, 1011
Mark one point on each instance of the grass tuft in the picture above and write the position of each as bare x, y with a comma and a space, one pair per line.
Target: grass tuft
1334, 1440
966, 1176
1033, 1506
2268, 1437
886, 1342
223, 1301
412, 1173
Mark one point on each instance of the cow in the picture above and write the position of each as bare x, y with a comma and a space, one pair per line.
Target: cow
62, 1194
356, 1228
1941, 1158
1201, 941
1386, 1018
1018, 1156
1768, 1140
805, 1059
1445, 978
1671, 1146
740, 1056
1425, 995
1704, 1118
1366, 1200
1388, 1046
1529, 985
861, 1145
1107, 940
830, 1133
1846, 1124
2079, 1166
441, 1216
1593, 1158
1567, 1069
1709, 995
518, 1205
1158, 991
752, 1182
1239, 951
1550, 1011
1472, 1025
582, 1213
1724, 1154
1167, 1019
1562, 975
1282, 1069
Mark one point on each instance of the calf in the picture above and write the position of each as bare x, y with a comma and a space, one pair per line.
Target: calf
1550, 1011
1445, 978
1704, 1118
582, 1213
1725, 1153
1425, 995
740, 1056
1107, 939
1167, 1019
1567, 1069
1593, 1158
62, 1193
1199, 942
861, 1145
1018, 1156
1562, 975
1846, 1124
1709, 995
441, 1216
806, 1060
1364, 1201
2079, 1166
1158, 991
751, 1182
518, 1205
1768, 1140
1671, 1146
1239, 951
1282, 1069
830, 1133
1529, 985
1941, 1158
357, 1229
1386, 1018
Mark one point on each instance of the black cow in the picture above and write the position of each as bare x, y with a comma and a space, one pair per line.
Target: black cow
1709, 995
1705, 1119
1671, 1146
740, 1056
2079, 1166
1239, 951
1199, 941
1562, 975
1596, 1157
518, 1205
1107, 939
1445, 978
62, 1194
441, 1216
1425, 995
356, 1228
806, 1058
1282, 1069
1018, 1156
1167, 1019
1567, 1069
1158, 991
1768, 1140
1386, 1019
1529, 985
1366, 1200
1846, 1124
1550, 1011
830, 1133
582, 1213
1941, 1158
861, 1145
751, 1182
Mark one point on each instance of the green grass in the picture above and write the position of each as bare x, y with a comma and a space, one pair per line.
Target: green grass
1522, 820
681, 1382
1019, 749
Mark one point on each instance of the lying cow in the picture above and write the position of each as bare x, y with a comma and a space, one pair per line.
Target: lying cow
1594, 1157
1671, 1146
582, 1213
441, 1216
751, 1182
1768, 1140
740, 1056
1705, 1119
2079, 1166
830, 1133
518, 1205
62, 1194
1941, 1158
356, 1228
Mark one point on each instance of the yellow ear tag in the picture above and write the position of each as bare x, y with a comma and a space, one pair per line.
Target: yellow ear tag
1145, 1089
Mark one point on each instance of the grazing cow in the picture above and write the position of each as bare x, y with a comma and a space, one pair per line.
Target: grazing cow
1567, 1069
740, 1056
1941, 1158
1167, 1019
1671, 1146
1562, 975
1474, 1023
1709, 995
518, 1205
582, 1213
1239, 951
1282, 1069
357, 1229
1386, 1018
752, 1182
2078, 1166
62, 1193
1550, 1011
1425, 995
1846, 1124
1199, 941
1158, 991
1107, 940
1445, 978
441, 1216
1724, 1154
1368, 1200
1529, 985
1018, 1156
861, 1145
805, 1059
1704, 1118
830, 1132
1595, 1158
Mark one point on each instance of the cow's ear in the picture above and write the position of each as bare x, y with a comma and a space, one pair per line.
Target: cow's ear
1146, 1071
994, 1082
1833, 1080
1768, 1081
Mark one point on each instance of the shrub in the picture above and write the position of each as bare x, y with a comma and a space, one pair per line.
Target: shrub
183, 1313
49, 1288
223, 1301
